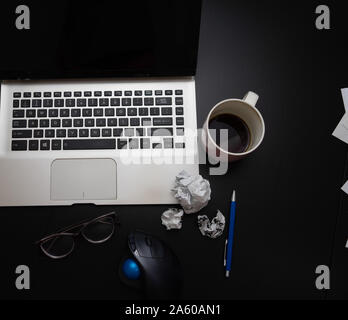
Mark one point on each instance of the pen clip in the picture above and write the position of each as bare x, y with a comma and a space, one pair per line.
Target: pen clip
225, 253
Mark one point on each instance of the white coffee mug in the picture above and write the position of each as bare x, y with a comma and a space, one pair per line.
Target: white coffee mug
244, 109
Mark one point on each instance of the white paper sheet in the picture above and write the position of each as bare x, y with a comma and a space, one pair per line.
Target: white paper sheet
345, 187
341, 131
345, 98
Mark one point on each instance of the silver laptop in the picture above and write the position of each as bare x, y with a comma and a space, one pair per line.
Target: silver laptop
98, 107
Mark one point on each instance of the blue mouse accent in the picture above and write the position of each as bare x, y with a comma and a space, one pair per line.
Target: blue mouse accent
131, 269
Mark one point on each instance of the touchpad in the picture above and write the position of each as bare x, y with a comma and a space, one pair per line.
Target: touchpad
83, 179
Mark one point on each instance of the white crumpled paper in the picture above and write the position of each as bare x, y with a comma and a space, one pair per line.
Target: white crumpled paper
192, 192
212, 229
171, 218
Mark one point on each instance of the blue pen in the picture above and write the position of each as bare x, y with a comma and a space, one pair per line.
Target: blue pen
229, 240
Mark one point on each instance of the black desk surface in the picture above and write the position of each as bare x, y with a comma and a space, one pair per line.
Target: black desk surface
291, 214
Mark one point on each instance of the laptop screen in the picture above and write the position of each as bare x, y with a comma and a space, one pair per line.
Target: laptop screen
98, 39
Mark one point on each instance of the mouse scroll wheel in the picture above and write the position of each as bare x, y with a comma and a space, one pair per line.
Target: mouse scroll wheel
148, 241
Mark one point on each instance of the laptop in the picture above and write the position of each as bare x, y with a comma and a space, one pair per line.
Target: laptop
97, 101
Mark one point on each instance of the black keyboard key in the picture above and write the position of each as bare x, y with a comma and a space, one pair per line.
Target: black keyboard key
178, 92
47, 103
61, 133
146, 122
128, 132
180, 121
27, 94
107, 93
64, 113
154, 111
38, 133
59, 103
18, 113
70, 103
168, 92
83, 133
166, 111
17, 134
143, 112
145, 143
97, 93
138, 93
109, 112
49, 133
120, 112
126, 102
137, 101
131, 112
95, 132
25, 103
36, 103
19, 145
55, 123
89, 144
157, 145
160, 132
179, 111
57, 94
53, 113
72, 133
104, 102
180, 145
98, 112
139, 132
106, 132
37, 94
81, 102
148, 101
87, 93
87, 112
77, 94
122, 143
100, 122
158, 92
17, 95
179, 101
115, 102
123, 122
135, 122
133, 143
30, 113
15, 104
33, 145
19, 123
162, 121
163, 101
33, 123
45, 145
112, 122
66, 123
168, 143
180, 131
42, 113
118, 93
75, 113
44, 123
148, 92
89, 122
78, 123
128, 93
67, 94
47, 94
117, 132
56, 144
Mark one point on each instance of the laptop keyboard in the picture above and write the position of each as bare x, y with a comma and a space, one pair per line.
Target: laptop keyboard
75, 120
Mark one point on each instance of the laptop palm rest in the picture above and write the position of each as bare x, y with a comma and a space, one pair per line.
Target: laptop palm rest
83, 179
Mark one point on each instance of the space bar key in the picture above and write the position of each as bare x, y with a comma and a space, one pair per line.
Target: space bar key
89, 144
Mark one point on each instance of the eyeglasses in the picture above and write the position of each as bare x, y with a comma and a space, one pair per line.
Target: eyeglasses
62, 243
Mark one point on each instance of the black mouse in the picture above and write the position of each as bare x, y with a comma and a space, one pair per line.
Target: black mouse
152, 266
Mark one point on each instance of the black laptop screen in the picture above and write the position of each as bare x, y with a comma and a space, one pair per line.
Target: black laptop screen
99, 39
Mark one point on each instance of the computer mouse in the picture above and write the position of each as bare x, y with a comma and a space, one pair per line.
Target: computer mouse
150, 265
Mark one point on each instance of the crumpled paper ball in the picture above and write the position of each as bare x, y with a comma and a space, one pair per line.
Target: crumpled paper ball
171, 218
212, 229
192, 192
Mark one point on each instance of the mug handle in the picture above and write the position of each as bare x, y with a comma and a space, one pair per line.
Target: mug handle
251, 98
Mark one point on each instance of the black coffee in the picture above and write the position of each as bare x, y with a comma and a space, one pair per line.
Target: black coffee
238, 132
